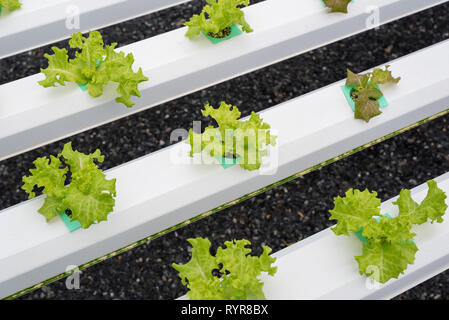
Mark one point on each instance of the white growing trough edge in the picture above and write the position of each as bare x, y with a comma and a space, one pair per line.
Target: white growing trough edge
42, 22
154, 193
177, 66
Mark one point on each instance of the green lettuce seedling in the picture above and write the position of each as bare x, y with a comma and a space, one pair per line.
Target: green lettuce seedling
389, 248
89, 197
365, 94
217, 18
10, 5
237, 276
233, 138
337, 5
94, 65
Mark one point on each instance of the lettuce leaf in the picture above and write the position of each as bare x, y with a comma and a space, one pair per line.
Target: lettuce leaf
47, 174
60, 70
218, 15
246, 139
365, 94
89, 197
380, 76
236, 271
243, 270
197, 273
433, 207
94, 65
251, 138
354, 210
337, 5
50, 207
11, 5
366, 104
389, 248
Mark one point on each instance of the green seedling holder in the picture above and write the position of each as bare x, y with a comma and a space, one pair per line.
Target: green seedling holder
347, 92
235, 31
227, 162
83, 86
71, 225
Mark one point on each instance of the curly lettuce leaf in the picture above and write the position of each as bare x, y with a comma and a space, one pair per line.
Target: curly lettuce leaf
197, 273
383, 261
11, 5
245, 139
238, 274
94, 65
218, 15
91, 50
79, 161
47, 174
357, 80
243, 270
337, 5
354, 210
90, 196
433, 206
388, 230
380, 76
226, 115
389, 248
366, 104
117, 67
251, 138
209, 141
50, 207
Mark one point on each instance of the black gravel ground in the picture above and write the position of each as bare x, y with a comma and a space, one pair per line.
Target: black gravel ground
278, 217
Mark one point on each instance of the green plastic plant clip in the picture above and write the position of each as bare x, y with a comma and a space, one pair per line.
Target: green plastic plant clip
83, 86
235, 31
227, 162
71, 225
347, 92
